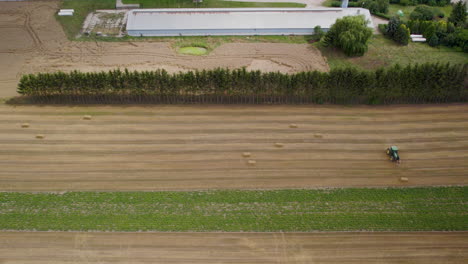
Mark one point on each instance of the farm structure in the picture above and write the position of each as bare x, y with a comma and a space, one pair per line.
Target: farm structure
235, 21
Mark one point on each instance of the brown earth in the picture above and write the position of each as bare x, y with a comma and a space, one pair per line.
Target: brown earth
33, 41
200, 147
94, 247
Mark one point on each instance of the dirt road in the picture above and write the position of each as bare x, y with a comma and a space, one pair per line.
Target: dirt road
201, 147
33, 41
60, 247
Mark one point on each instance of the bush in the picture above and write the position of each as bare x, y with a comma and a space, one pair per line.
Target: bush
462, 39
450, 40
402, 35
422, 13
429, 31
458, 15
433, 41
410, 84
336, 4
414, 26
376, 6
383, 28
350, 34
318, 33
393, 26
405, 2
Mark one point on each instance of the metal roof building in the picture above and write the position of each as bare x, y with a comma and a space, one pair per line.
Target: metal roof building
235, 21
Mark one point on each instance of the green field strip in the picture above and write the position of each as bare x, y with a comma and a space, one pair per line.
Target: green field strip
352, 209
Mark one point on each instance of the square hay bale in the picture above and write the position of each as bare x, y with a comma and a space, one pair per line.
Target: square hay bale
293, 126
40, 136
403, 179
251, 162
279, 145
25, 125
246, 154
87, 117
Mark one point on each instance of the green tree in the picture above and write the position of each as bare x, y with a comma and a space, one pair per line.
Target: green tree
434, 41
349, 34
393, 26
318, 32
458, 15
402, 35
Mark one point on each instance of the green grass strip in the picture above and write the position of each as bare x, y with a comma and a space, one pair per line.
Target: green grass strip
395, 209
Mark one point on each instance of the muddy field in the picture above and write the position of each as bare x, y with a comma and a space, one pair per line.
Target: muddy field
201, 147
33, 41
59, 247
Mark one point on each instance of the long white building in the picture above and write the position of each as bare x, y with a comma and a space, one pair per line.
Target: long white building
235, 21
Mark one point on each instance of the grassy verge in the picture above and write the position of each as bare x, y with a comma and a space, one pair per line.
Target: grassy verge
385, 52
399, 209
206, 4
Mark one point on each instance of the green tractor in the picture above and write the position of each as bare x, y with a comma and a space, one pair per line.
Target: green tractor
393, 153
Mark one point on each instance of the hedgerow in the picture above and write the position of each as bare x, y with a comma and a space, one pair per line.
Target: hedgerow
426, 83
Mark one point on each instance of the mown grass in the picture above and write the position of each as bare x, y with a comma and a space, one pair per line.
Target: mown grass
385, 52
206, 4
398, 209
72, 24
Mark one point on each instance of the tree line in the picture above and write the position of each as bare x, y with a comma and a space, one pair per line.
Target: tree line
424, 83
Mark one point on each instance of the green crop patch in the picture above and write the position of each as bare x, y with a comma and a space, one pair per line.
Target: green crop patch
395, 209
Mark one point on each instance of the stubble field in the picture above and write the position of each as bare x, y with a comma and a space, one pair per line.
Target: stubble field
201, 147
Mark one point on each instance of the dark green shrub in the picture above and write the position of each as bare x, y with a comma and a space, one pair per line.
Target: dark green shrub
405, 2
458, 15
376, 6
336, 4
350, 34
318, 32
433, 40
383, 28
414, 26
393, 26
402, 35
450, 40
422, 13
429, 31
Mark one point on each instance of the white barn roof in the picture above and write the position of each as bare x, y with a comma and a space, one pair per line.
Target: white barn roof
237, 18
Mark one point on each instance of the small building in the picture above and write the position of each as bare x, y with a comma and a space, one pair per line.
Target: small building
235, 21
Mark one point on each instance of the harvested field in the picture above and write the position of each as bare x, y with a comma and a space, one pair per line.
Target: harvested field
70, 247
34, 42
201, 147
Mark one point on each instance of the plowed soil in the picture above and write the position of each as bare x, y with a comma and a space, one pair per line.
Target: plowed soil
59, 247
33, 41
201, 147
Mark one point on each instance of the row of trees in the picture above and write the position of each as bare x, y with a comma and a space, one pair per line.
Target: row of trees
410, 84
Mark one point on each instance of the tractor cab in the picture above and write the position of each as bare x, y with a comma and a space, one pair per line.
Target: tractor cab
393, 153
